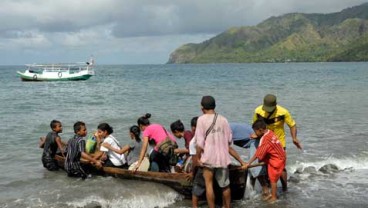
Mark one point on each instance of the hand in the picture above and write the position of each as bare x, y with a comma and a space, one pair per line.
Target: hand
244, 166
98, 164
137, 167
297, 143
253, 136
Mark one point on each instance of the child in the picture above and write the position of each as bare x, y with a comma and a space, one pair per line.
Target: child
50, 145
272, 153
76, 150
109, 144
132, 150
178, 130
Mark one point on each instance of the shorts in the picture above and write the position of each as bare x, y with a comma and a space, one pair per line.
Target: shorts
274, 174
199, 186
221, 175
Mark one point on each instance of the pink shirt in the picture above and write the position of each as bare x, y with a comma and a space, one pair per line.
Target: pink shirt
157, 133
216, 146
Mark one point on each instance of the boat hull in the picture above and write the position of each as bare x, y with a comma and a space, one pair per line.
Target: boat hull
180, 182
28, 76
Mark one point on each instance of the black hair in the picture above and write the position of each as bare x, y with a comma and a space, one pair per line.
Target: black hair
193, 122
78, 125
177, 126
136, 131
208, 102
259, 124
105, 127
144, 120
53, 123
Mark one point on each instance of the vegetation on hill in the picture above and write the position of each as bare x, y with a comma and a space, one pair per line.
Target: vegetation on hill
295, 37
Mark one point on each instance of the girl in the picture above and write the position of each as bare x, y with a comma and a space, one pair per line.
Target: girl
157, 134
131, 150
104, 131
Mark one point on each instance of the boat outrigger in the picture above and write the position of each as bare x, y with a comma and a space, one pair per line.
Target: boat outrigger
58, 72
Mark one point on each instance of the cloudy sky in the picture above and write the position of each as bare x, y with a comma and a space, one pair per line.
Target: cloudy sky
129, 31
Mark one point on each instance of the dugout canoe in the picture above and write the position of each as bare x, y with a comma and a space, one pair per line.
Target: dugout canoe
180, 182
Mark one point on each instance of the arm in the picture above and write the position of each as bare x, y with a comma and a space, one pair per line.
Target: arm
293, 132
91, 159
181, 151
199, 155
119, 151
235, 155
42, 141
142, 153
251, 161
60, 145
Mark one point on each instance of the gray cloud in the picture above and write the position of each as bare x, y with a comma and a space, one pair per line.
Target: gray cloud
113, 26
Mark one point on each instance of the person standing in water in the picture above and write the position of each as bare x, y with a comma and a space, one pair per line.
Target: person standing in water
275, 116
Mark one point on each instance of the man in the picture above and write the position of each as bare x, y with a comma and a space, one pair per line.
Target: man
275, 116
213, 139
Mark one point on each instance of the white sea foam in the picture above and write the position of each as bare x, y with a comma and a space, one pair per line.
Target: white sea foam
138, 201
357, 163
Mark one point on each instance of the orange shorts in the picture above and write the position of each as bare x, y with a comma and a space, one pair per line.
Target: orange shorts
274, 174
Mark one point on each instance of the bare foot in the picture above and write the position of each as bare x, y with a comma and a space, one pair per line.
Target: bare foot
266, 197
271, 200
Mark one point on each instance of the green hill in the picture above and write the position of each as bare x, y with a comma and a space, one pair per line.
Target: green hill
295, 37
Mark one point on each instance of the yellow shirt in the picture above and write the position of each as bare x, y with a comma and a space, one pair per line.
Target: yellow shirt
276, 121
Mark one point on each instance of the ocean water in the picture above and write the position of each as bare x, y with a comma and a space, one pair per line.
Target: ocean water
329, 102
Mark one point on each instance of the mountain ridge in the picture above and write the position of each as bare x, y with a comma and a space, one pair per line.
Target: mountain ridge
295, 37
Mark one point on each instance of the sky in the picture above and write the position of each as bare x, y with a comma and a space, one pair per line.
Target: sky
129, 31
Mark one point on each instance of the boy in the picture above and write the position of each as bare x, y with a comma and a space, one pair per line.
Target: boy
272, 153
76, 150
177, 128
50, 145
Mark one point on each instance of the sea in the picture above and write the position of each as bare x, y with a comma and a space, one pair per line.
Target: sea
329, 102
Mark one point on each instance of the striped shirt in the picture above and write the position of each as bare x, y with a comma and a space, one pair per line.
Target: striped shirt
74, 150
270, 150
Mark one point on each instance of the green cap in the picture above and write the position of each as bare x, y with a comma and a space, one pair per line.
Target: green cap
269, 103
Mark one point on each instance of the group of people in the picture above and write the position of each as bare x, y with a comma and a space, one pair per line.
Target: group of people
208, 147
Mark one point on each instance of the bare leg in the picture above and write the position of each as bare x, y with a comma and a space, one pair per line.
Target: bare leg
273, 192
208, 178
263, 181
283, 179
226, 196
194, 201
252, 181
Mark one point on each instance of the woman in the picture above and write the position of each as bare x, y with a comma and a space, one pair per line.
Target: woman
109, 144
156, 134
132, 150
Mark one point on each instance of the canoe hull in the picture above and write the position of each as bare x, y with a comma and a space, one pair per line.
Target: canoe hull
180, 182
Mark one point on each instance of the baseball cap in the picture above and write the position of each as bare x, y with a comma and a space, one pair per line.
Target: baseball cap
269, 103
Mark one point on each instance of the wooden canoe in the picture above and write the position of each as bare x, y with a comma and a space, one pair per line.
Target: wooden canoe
180, 182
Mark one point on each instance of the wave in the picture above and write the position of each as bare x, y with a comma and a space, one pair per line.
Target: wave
355, 163
144, 201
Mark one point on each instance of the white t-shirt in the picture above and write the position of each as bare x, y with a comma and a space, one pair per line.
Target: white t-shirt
115, 158
192, 146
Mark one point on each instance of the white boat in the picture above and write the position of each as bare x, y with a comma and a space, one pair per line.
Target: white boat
58, 72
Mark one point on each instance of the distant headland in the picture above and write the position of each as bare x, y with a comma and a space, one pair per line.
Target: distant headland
294, 37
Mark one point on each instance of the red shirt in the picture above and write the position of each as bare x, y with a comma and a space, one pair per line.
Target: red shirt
188, 135
271, 151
